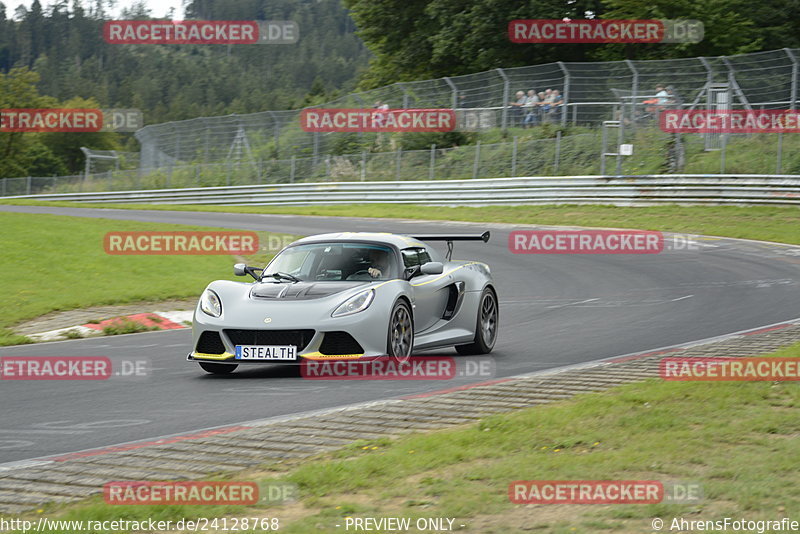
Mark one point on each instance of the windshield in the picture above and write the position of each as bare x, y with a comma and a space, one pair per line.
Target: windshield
333, 261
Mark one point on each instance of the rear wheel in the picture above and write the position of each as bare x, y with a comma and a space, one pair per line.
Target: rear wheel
400, 340
218, 368
485, 326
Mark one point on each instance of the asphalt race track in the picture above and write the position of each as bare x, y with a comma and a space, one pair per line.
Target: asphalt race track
554, 310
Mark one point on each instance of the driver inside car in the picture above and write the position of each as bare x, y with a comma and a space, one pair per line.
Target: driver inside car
379, 263
374, 264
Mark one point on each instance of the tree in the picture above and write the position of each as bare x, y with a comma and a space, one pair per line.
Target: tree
42, 154
420, 39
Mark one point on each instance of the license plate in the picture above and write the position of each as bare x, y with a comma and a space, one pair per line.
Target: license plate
266, 352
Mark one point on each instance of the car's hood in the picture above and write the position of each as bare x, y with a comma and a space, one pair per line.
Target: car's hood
300, 290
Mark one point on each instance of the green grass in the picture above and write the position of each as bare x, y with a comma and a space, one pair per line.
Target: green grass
737, 440
73, 334
768, 223
54, 263
126, 326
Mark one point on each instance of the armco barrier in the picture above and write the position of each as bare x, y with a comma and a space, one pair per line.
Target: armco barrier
619, 190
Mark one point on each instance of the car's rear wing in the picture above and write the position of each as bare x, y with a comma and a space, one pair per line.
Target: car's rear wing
453, 237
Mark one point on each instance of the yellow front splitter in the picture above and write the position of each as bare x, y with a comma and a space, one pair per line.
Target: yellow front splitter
226, 356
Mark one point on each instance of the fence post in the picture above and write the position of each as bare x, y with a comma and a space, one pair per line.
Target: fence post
793, 93
454, 92
558, 152
398, 162
603, 149
405, 95
205, 148
792, 105
722, 154
506, 97
292, 169
634, 93
363, 105
433, 162
565, 97
477, 161
363, 165
4, 186
276, 132
734, 85
514, 158
28, 186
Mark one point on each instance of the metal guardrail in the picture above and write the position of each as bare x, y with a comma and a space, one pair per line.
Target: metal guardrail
625, 190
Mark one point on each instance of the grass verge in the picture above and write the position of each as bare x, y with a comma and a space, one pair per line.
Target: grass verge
55, 263
768, 223
738, 440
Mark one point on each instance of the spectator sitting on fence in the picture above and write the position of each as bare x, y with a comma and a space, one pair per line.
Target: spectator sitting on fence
662, 95
547, 101
662, 99
675, 101
516, 106
555, 102
531, 109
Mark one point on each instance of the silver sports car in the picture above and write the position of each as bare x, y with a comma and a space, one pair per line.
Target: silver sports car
347, 296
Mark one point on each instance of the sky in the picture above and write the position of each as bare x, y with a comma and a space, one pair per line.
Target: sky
158, 8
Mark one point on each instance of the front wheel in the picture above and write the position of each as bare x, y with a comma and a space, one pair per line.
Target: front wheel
218, 368
485, 326
400, 339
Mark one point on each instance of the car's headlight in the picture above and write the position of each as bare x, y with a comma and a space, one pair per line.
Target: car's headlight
355, 304
210, 303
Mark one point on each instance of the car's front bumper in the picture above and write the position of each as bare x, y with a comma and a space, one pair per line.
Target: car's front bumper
367, 333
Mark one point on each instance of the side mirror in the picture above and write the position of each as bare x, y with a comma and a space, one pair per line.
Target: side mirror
432, 267
242, 269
